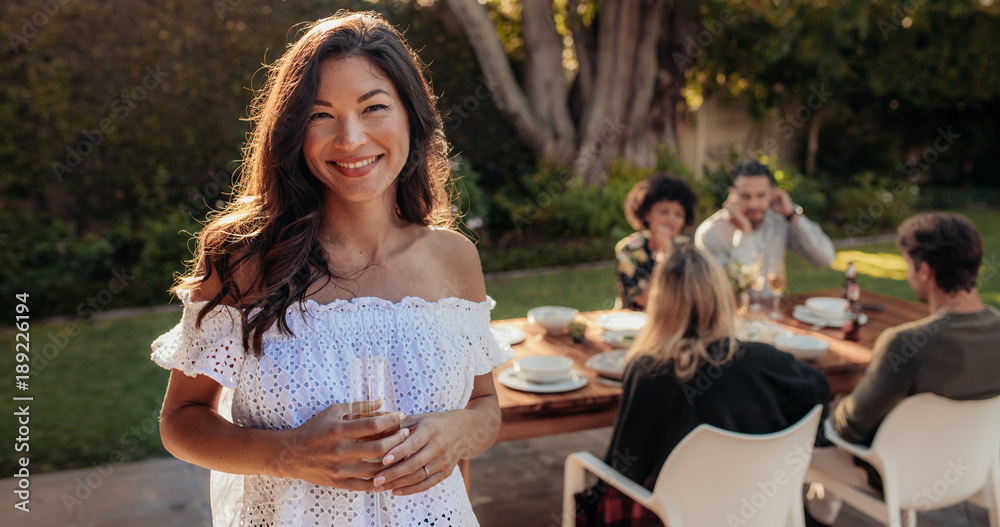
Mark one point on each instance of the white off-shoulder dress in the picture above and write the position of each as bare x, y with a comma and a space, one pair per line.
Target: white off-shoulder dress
435, 349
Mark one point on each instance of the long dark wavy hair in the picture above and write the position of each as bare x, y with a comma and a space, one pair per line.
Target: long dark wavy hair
264, 244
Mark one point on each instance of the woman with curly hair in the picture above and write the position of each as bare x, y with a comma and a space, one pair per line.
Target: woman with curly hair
659, 208
335, 246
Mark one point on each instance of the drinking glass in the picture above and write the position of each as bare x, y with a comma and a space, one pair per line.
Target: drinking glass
371, 395
777, 281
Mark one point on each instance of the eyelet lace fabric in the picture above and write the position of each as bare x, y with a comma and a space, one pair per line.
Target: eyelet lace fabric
435, 350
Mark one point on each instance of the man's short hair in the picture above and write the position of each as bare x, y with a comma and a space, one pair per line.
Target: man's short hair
750, 168
949, 243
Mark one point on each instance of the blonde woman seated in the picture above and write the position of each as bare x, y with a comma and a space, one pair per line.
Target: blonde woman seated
686, 368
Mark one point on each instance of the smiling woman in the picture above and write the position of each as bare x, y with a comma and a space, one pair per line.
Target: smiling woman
356, 143
333, 249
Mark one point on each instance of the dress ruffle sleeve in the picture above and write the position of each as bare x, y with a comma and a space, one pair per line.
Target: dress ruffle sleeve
488, 350
215, 349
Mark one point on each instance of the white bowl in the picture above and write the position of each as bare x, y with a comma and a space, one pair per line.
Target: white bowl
555, 319
543, 369
827, 307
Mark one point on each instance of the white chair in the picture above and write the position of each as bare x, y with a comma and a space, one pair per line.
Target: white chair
932, 452
715, 477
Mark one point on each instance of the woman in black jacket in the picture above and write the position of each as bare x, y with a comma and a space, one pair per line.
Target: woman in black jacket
686, 368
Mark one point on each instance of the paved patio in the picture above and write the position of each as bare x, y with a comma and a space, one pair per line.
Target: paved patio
514, 483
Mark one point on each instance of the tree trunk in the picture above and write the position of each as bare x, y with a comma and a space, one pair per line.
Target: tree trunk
544, 81
583, 45
507, 93
626, 89
812, 147
682, 24
604, 119
643, 138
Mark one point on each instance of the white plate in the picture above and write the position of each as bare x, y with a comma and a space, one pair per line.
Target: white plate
510, 379
623, 322
609, 364
802, 346
510, 334
617, 340
804, 314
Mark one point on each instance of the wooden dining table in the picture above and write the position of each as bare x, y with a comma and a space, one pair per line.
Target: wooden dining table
527, 415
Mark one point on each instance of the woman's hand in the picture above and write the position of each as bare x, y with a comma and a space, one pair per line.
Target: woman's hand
438, 441
328, 450
661, 240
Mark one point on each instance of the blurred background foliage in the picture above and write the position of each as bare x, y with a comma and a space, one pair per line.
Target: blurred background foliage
898, 72
169, 82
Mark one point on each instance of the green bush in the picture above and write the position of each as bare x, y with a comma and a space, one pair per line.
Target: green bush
938, 198
550, 203
596, 210
870, 204
69, 274
166, 244
58, 269
546, 254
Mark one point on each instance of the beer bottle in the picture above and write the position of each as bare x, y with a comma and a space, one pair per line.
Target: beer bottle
852, 318
850, 277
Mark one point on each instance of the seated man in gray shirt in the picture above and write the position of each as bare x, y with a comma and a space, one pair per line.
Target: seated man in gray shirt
952, 352
767, 221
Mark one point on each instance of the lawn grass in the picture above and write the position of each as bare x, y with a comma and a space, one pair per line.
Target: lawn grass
586, 290
96, 401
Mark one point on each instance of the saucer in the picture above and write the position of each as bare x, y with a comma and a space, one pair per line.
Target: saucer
617, 340
510, 334
802, 347
610, 364
804, 314
510, 379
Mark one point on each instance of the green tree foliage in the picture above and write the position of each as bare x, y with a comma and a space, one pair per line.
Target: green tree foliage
898, 71
122, 127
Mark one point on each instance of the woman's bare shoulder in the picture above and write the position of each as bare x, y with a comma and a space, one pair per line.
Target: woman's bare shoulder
451, 241
458, 263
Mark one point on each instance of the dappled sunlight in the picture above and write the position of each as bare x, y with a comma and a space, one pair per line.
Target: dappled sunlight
879, 265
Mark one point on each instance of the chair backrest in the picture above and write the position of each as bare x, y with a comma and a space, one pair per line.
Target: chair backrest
717, 477
938, 451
